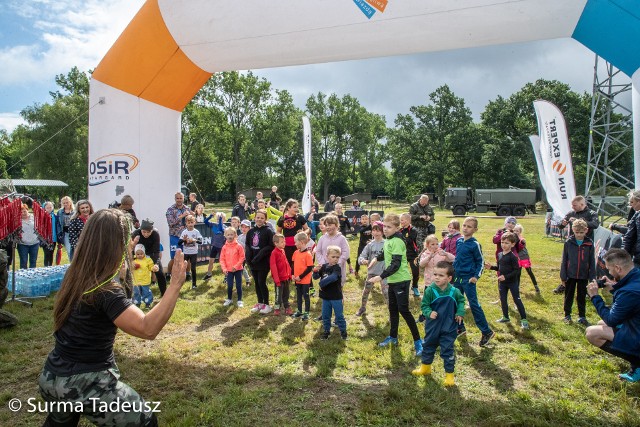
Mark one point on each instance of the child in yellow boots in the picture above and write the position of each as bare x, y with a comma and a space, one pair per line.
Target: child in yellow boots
443, 307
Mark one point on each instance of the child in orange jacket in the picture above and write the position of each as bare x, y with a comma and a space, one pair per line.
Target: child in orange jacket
281, 274
231, 262
302, 270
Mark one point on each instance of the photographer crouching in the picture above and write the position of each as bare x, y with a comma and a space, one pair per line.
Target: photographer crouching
618, 333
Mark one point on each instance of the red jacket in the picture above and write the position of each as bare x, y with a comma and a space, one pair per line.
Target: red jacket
231, 256
280, 268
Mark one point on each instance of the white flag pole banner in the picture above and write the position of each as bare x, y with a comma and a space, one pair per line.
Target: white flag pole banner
555, 156
306, 141
535, 144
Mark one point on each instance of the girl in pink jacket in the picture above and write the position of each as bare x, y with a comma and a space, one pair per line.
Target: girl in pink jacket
430, 256
231, 262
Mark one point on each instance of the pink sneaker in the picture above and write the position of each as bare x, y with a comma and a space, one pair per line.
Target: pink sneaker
288, 311
276, 312
256, 308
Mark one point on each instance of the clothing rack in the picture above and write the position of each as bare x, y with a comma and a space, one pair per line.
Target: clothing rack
11, 218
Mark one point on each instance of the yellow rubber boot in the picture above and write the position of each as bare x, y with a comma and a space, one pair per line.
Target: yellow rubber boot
422, 370
449, 380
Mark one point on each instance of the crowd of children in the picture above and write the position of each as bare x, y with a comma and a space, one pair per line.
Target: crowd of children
390, 253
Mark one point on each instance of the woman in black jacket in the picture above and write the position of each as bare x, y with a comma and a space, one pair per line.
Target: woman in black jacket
257, 250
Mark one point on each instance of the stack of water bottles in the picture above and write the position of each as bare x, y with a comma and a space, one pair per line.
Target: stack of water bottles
40, 281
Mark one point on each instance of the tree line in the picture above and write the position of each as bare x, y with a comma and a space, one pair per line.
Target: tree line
240, 132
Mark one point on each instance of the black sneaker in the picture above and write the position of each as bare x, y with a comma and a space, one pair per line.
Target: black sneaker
207, 276
560, 289
296, 315
462, 331
583, 321
325, 335
343, 334
485, 338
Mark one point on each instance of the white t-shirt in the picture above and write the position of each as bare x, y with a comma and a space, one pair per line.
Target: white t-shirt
190, 248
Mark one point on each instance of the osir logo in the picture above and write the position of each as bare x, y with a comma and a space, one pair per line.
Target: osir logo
112, 167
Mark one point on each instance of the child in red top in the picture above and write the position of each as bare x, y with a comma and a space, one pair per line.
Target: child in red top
281, 274
302, 269
231, 262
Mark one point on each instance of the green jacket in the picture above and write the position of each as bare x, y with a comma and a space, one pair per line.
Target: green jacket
272, 213
429, 296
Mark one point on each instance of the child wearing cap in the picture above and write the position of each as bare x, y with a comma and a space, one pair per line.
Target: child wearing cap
143, 266
509, 224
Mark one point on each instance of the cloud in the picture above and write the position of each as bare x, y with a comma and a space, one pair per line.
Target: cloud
70, 33
391, 85
9, 121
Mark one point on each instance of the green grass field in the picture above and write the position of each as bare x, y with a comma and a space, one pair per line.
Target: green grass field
213, 365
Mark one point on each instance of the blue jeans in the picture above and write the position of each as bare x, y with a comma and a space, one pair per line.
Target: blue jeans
337, 307
237, 275
67, 245
469, 291
142, 293
30, 252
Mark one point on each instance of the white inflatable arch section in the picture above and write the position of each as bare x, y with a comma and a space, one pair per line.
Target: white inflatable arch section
172, 47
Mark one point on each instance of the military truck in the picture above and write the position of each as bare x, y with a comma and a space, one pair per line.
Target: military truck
502, 201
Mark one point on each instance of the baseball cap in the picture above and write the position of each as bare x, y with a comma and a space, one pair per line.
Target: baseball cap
245, 222
510, 219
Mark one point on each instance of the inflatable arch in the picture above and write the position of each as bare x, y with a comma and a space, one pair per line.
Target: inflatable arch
172, 47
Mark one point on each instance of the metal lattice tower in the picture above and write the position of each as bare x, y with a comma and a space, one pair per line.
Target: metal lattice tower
610, 142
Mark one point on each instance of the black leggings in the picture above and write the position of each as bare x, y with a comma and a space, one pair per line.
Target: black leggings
302, 291
415, 272
399, 305
48, 256
162, 281
504, 289
570, 291
262, 290
532, 277
193, 259
360, 249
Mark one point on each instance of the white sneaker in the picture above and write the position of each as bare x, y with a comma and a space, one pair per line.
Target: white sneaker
240, 304
255, 308
266, 310
227, 302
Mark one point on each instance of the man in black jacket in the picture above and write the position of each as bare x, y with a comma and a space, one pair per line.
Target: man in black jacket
421, 217
631, 240
150, 239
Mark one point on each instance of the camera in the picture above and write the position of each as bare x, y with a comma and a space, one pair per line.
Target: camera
601, 283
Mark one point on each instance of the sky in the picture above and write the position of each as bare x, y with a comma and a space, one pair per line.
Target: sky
40, 39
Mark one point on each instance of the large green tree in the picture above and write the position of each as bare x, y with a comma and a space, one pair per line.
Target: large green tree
277, 151
513, 119
343, 132
52, 144
424, 143
241, 98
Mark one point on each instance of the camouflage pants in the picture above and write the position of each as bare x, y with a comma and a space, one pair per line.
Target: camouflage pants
95, 390
384, 287
423, 232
